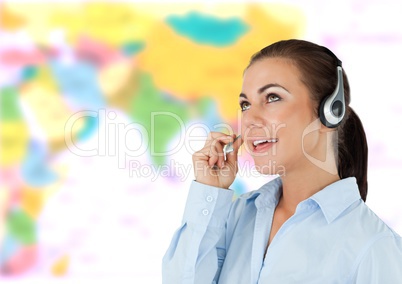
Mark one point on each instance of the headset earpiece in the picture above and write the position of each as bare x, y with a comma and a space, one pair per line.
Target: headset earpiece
332, 108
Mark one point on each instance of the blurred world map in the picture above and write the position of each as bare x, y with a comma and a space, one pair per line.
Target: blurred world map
103, 104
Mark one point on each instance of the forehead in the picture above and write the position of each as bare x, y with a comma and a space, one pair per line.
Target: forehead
271, 70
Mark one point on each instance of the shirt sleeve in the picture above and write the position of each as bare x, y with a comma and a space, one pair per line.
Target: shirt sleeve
198, 248
382, 262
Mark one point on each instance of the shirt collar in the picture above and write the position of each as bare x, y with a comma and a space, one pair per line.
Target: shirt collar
337, 197
266, 195
332, 199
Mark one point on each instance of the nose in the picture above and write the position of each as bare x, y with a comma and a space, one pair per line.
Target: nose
253, 117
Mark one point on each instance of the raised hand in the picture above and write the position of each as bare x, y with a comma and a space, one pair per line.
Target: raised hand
212, 166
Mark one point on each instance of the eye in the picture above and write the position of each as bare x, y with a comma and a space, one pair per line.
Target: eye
272, 98
244, 106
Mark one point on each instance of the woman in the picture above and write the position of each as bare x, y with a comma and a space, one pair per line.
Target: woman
310, 224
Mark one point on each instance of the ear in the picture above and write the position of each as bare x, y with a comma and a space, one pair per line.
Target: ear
324, 129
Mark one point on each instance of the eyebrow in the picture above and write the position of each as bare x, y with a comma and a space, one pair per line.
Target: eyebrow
263, 88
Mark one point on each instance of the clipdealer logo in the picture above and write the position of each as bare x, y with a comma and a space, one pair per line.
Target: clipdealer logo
129, 141
132, 139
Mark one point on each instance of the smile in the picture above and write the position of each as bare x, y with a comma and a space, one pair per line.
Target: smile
257, 142
263, 145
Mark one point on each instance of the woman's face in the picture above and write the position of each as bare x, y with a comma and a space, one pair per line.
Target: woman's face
276, 110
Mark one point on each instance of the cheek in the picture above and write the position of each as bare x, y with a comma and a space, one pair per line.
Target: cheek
294, 132
311, 137
242, 125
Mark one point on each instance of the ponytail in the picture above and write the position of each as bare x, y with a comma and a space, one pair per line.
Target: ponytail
353, 151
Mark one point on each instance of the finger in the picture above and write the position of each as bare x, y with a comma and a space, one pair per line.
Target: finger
214, 148
216, 154
201, 155
229, 147
232, 156
212, 136
225, 141
218, 136
217, 141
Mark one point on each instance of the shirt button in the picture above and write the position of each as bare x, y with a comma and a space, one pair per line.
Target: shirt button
210, 198
205, 212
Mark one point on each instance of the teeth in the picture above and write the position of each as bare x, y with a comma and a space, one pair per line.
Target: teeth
259, 142
263, 141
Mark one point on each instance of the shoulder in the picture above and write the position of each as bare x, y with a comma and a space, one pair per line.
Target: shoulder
363, 228
380, 261
371, 224
379, 251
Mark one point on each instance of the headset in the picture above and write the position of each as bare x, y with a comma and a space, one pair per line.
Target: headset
333, 107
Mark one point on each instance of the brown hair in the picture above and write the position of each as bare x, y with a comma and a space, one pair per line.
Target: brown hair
318, 68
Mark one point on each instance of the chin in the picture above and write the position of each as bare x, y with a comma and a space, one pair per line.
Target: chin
269, 167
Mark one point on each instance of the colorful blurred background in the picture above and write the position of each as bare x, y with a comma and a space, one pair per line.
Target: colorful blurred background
103, 103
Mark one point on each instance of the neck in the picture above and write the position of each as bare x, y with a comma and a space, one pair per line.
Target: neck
300, 185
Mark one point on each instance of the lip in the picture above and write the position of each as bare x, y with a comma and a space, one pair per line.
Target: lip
262, 148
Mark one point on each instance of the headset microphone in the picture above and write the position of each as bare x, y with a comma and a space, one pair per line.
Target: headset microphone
332, 108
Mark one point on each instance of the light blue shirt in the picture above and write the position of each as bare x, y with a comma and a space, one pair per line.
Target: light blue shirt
333, 237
